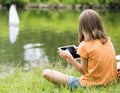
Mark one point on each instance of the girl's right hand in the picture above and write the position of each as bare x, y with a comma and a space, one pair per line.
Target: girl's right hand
65, 54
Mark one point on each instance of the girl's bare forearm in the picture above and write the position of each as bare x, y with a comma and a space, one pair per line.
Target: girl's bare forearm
77, 65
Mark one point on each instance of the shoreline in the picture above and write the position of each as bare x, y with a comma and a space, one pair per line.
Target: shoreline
29, 6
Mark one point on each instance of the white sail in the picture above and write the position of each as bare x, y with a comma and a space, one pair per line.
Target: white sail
13, 15
13, 23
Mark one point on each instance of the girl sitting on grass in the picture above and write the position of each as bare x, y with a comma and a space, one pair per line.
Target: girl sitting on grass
97, 56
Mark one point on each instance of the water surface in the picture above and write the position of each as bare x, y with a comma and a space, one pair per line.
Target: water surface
41, 32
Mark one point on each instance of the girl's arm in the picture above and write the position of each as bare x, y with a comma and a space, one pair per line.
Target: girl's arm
81, 67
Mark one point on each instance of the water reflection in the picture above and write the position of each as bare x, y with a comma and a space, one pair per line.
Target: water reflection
118, 57
13, 33
13, 24
34, 55
51, 28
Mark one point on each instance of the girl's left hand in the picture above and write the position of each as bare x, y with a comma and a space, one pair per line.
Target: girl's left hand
65, 54
118, 74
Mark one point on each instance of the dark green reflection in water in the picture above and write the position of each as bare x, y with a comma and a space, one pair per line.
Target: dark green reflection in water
50, 29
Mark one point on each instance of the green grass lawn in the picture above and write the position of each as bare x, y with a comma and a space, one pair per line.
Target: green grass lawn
21, 81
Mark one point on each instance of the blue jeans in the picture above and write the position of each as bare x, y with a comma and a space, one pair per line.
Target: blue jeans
74, 82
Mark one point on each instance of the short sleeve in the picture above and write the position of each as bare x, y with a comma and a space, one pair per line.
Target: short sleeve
82, 50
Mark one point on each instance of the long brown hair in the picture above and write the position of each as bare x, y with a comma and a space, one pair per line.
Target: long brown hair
91, 27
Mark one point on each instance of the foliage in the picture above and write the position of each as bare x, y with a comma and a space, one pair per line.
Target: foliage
11, 1
59, 1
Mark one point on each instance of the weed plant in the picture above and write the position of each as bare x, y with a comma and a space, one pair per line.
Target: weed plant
32, 81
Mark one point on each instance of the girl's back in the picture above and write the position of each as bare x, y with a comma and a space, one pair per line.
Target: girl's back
102, 67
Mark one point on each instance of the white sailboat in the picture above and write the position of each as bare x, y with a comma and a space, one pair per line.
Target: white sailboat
13, 23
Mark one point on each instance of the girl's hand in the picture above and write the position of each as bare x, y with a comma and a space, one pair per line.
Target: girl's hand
118, 74
76, 48
65, 54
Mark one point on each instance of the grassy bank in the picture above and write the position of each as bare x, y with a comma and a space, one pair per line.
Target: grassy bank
32, 82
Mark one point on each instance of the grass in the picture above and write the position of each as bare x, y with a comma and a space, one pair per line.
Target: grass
21, 81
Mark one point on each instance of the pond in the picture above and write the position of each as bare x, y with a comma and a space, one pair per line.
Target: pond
42, 31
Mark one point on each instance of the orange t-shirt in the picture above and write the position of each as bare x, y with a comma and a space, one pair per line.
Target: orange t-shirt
102, 67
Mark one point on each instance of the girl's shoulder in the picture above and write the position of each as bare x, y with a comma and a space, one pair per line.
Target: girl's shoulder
90, 42
85, 44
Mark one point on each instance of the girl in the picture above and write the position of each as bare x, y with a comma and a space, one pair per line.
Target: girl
97, 55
